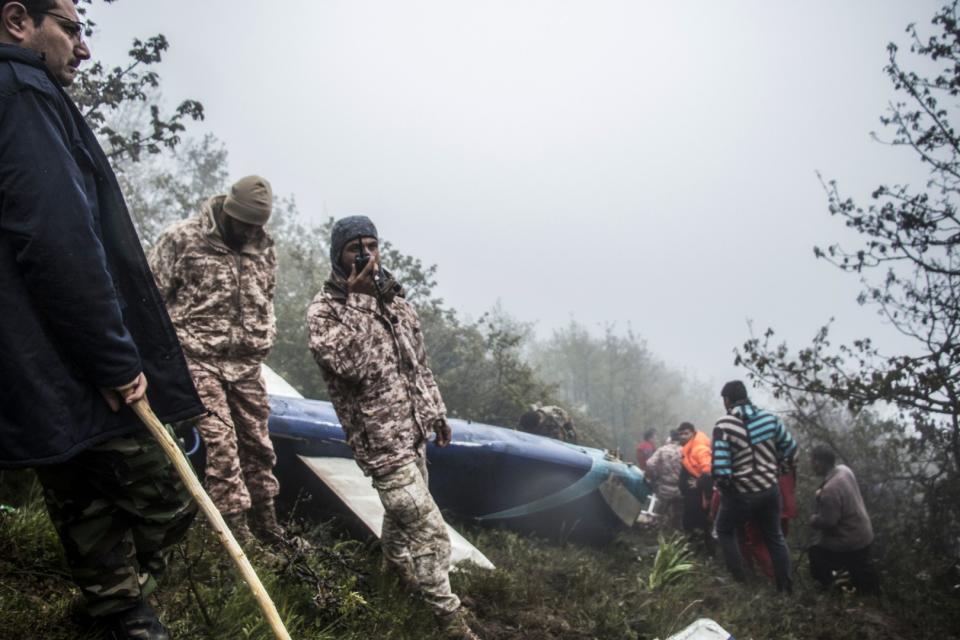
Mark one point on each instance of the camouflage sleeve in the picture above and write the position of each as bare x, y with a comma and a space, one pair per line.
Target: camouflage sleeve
337, 339
653, 465
163, 263
272, 279
271, 290
421, 348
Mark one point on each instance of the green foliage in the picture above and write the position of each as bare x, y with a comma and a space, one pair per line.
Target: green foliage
618, 388
314, 592
29, 533
99, 92
480, 366
541, 590
161, 179
673, 561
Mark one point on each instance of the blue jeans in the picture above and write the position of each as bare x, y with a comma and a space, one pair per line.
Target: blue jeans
763, 508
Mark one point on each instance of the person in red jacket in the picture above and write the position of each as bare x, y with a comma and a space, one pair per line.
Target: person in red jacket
696, 484
646, 448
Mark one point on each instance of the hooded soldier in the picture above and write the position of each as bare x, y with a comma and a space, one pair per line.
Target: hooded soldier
367, 341
216, 272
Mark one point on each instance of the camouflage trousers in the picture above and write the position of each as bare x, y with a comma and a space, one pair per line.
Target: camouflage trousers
240, 456
116, 507
414, 537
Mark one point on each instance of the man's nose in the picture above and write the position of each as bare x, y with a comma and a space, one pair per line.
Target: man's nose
82, 50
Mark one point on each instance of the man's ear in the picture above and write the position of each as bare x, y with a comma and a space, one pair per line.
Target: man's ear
16, 22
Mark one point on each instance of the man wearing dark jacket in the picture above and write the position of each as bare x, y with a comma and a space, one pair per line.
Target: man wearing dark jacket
82, 331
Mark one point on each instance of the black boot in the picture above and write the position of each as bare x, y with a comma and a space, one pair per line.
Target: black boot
250, 543
264, 525
456, 625
267, 529
138, 623
237, 523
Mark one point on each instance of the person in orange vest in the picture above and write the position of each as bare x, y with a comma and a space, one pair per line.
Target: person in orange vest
696, 484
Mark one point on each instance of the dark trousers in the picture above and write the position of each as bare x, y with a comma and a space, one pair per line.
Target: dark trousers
117, 507
763, 509
824, 563
696, 515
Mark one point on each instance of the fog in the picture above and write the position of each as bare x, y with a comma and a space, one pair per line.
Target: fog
648, 164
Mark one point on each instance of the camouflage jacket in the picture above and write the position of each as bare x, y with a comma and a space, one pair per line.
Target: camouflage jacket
553, 422
220, 301
663, 468
375, 365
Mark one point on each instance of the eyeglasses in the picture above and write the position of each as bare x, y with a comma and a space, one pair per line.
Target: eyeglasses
73, 28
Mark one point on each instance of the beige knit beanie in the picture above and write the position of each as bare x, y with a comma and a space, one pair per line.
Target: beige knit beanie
250, 200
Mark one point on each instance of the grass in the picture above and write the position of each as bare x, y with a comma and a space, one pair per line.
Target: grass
639, 587
673, 560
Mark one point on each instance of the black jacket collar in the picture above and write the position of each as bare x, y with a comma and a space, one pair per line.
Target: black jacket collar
13, 53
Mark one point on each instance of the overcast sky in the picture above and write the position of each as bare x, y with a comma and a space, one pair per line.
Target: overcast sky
650, 164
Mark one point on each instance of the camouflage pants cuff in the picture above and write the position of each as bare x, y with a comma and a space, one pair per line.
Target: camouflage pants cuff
99, 606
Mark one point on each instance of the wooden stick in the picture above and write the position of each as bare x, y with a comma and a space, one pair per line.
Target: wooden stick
143, 410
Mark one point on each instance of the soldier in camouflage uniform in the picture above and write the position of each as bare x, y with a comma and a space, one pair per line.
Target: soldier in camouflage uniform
366, 338
663, 469
82, 332
550, 421
216, 272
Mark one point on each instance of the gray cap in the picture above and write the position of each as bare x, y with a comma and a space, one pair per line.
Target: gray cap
345, 230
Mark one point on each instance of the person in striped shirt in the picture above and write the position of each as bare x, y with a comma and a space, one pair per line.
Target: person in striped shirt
750, 448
